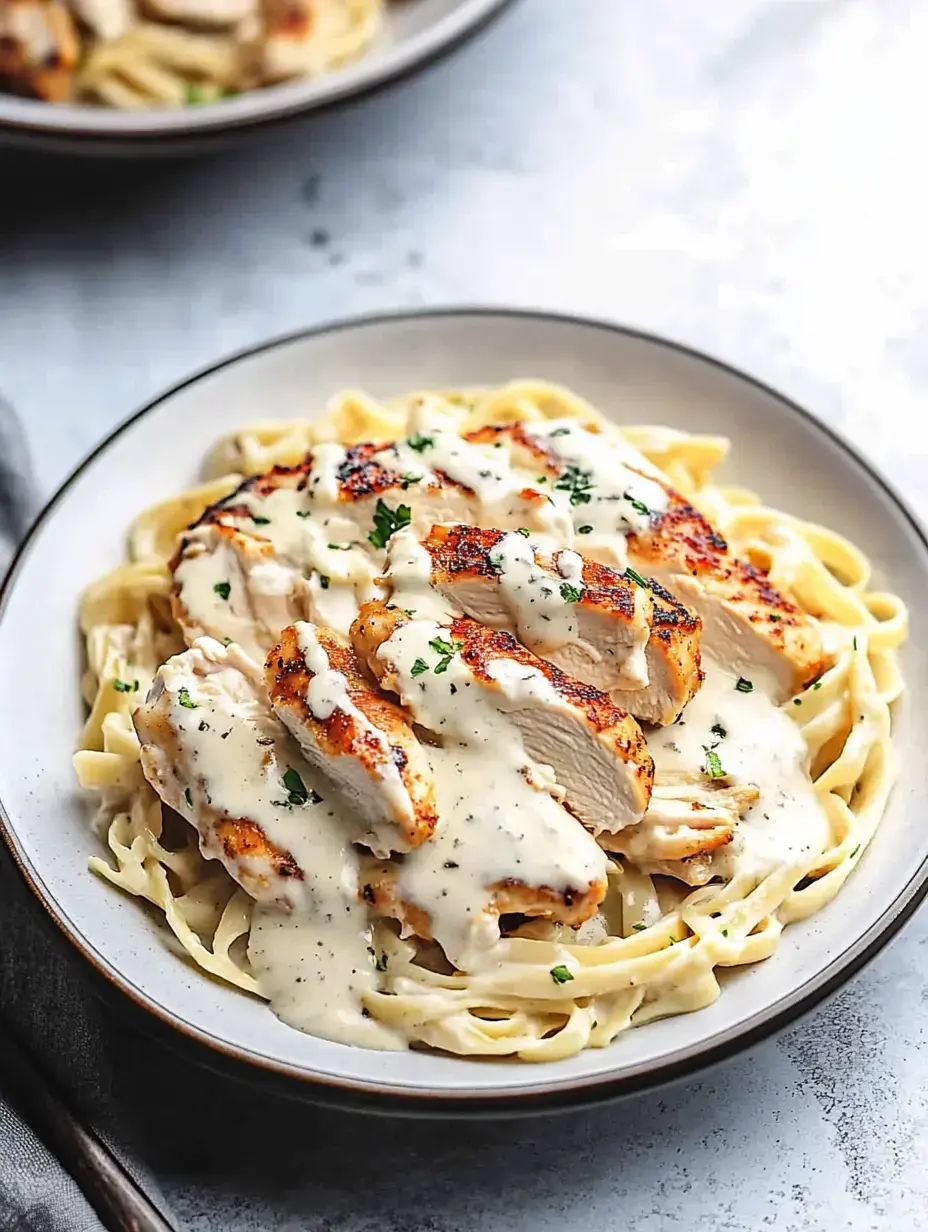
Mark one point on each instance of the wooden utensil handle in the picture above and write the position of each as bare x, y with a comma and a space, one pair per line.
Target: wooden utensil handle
109, 1189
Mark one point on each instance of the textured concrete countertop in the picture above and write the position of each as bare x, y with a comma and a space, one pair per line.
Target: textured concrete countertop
741, 175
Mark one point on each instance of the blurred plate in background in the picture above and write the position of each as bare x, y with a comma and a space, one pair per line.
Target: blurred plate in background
415, 32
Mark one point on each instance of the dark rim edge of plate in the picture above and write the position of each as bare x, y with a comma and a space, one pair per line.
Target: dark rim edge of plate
570, 1093
225, 125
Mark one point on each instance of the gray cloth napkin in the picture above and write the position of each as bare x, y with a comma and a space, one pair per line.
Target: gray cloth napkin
35, 1191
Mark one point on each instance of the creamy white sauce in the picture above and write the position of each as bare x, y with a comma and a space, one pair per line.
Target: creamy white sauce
542, 603
434, 446
310, 935
763, 747
604, 497
408, 573
497, 821
312, 539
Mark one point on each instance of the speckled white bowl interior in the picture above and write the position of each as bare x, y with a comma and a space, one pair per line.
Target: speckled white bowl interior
778, 449
414, 32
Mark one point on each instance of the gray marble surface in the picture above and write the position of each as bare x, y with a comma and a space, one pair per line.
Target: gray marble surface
743, 175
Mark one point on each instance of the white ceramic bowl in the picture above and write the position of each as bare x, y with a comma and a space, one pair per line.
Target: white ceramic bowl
415, 32
778, 449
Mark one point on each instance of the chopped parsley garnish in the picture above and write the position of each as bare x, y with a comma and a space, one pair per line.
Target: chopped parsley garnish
542, 479
227, 641
203, 725
744, 686
183, 696
855, 851
496, 563
570, 594
724, 932
637, 505
523, 531
718, 730
559, 432
408, 479
713, 768
584, 530
560, 974
854, 643
194, 94
123, 686
420, 443
258, 521
817, 685
440, 646
577, 483
636, 578
639, 928
297, 792
304, 513
387, 522
381, 962
339, 547
323, 581
223, 590
188, 797
797, 701
419, 667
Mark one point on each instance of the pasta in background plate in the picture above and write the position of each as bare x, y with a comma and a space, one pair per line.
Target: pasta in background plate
171, 53
656, 944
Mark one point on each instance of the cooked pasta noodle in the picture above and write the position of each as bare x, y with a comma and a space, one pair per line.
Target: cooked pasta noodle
660, 942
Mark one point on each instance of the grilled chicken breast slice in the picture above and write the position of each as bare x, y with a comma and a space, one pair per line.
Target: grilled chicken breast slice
382, 891
631, 515
39, 48
597, 752
358, 738
230, 584
215, 753
595, 624
685, 823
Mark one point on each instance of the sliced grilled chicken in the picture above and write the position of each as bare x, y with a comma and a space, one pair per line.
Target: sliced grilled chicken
629, 514
305, 540
39, 48
685, 823
641, 648
215, 753
382, 890
597, 751
356, 736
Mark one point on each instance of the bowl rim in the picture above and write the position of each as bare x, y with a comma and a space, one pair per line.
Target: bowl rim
257, 108
342, 1091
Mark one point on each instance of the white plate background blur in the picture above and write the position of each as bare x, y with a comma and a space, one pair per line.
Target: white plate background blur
414, 32
787, 456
